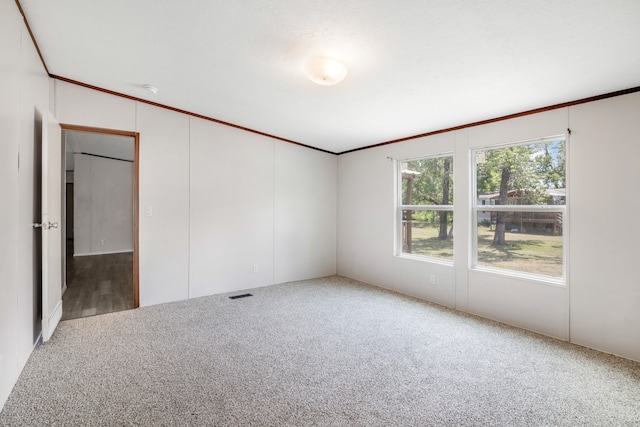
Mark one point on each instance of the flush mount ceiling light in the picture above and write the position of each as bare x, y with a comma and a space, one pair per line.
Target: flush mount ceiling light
325, 71
151, 89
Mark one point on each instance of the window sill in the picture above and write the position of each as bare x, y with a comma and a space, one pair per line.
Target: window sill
423, 258
537, 278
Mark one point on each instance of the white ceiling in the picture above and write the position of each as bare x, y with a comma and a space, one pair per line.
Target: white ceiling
415, 66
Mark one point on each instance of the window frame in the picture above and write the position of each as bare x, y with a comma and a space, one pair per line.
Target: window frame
476, 207
401, 207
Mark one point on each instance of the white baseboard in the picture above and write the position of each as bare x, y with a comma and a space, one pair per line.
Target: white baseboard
36, 343
49, 325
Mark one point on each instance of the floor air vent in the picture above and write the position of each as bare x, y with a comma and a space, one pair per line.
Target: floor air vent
240, 296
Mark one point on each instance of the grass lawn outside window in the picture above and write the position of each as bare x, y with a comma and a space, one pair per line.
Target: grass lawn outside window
535, 253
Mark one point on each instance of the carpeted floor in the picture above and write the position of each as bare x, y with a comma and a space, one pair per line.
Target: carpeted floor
324, 352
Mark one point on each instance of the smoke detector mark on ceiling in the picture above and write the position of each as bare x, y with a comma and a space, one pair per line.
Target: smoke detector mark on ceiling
151, 88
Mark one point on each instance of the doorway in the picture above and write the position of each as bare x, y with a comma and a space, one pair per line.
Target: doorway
101, 224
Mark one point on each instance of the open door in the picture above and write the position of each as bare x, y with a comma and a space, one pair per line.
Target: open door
51, 230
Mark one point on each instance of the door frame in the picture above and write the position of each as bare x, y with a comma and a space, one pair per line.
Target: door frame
136, 201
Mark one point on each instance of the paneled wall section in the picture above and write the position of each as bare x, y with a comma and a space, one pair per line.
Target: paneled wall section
103, 205
600, 305
220, 209
24, 86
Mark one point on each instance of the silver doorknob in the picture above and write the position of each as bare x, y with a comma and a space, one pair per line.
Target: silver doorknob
45, 225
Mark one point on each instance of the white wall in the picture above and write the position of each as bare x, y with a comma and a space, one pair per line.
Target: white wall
102, 110
599, 307
231, 214
605, 202
365, 243
10, 46
305, 213
25, 97
222, 200
366, 222
34, 103
103, 205
164, 188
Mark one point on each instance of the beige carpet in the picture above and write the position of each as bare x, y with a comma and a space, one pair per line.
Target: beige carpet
324, 352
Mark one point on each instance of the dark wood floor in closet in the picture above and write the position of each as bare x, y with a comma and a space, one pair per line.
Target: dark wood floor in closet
97, 284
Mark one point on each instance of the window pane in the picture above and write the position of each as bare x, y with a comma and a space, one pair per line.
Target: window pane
528, 174
523, 241
427, 181
428, 233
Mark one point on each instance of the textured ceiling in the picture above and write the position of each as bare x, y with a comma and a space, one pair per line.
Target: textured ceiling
414, 66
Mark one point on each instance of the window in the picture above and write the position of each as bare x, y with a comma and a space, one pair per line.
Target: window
519, 209
425, 207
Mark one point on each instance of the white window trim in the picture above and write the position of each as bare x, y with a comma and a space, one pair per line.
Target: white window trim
400, 207
475, 208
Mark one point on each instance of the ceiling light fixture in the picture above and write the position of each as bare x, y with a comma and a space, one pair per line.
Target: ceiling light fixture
151, 89
325, 71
